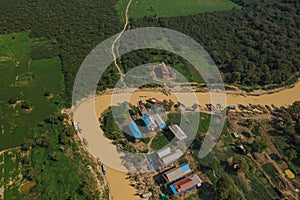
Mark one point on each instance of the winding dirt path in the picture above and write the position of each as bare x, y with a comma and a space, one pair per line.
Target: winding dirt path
118, 38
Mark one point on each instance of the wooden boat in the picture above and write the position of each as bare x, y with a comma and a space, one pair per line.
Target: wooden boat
85, 142
103, 169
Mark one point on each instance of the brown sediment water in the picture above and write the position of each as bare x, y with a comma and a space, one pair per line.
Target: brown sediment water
99, 146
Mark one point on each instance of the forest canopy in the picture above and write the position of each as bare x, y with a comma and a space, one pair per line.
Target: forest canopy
256, 45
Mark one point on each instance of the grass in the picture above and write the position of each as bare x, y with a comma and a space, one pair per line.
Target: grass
272, 172
159, 141
25, 80
172, 8
10, 173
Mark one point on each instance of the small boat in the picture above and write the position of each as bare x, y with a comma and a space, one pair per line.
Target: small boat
261, 108
79, 127
253, 106
274, 107
249, 108
241, 107
85, 142
209, 106
231, 107
213, 108
269, 108
75, 124
219, 106
103, 169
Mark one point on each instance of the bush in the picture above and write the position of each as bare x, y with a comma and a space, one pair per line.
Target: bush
25, 106
12, 100
259, 146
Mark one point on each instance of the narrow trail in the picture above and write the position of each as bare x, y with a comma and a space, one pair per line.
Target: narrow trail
10, 149
118, 38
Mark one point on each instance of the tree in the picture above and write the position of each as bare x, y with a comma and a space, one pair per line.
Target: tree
27, 145
225, 189
259, 146
291, 154
12, 100
25, 106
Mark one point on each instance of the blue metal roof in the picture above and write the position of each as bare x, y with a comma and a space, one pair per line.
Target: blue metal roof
173, 189
144, 118
185, 167
135, 130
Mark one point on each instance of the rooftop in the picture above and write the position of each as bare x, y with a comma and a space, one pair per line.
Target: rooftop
163, 152
178, 132
135, 130
169, 158
159, 121
185, 184
177, 173
151, 125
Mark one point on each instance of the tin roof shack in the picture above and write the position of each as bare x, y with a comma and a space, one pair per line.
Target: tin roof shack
186, 184
159, 121
142, 108
150, 123
177, 173
178, 132
136, 133
171, 157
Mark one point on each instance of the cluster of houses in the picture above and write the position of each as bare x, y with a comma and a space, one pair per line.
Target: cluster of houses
153, 122
176, 177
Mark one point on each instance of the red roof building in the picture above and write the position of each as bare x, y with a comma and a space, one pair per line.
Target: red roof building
185, 184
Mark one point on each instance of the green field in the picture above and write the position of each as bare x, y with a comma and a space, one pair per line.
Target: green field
159, 141
171, 8
11, 171
31, 86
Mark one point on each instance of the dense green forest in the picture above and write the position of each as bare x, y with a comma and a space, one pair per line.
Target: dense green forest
78, 26
254, 46
257, 45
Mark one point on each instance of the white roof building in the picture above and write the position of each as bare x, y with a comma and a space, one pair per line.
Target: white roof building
178, 132
161, 153
170, 158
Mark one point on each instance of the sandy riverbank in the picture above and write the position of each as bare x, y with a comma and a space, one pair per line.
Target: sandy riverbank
101, 147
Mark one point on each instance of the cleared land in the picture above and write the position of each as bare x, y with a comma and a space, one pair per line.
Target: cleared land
172, 8
29, 88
